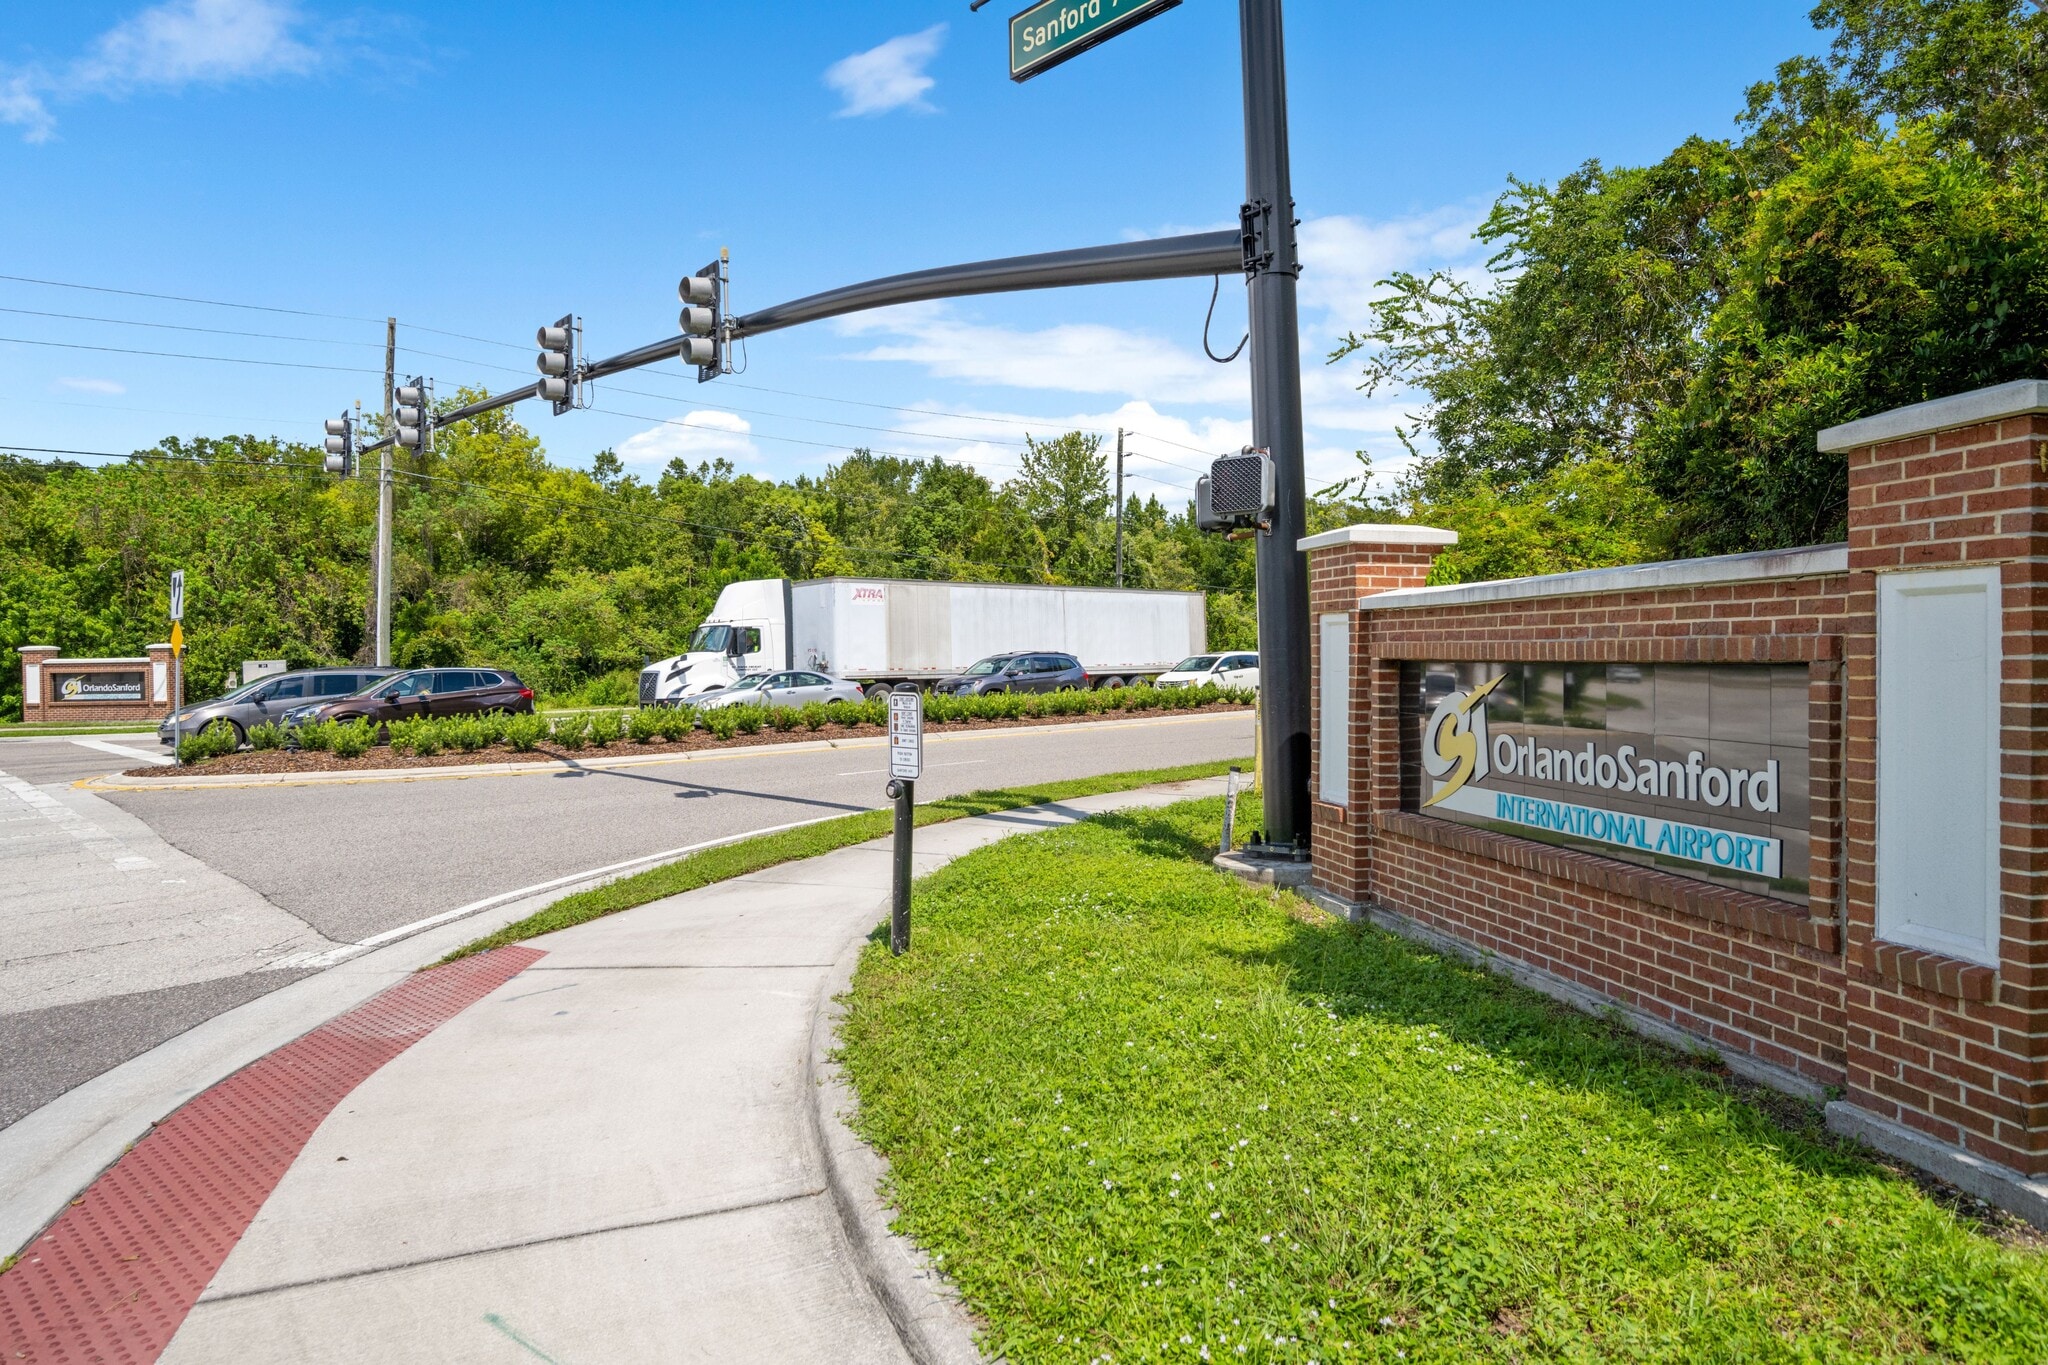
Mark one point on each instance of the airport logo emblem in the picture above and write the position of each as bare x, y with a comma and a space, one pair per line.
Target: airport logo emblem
1454, 747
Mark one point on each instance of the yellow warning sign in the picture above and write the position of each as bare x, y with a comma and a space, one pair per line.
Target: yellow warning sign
177, 637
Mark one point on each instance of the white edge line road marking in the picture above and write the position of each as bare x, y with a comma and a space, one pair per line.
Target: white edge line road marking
883, 771
108, 748
347, 950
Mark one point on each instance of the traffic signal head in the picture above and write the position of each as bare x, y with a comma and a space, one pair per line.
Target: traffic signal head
341, 445
558, 365
411, 414
702, 321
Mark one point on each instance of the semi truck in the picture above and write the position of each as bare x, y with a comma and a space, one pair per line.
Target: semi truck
883, 631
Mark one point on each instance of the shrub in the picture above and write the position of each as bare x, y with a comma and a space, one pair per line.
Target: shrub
782, 718
748, 719
467, 733
568, 732
723, 722
268, 735
677, 721
644, 726
523, 733
605, 727
813, 715
353, 739
215, 741
317, 737
420, 735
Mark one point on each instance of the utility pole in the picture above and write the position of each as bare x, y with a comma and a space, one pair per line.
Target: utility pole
1271, 267
1119, 507
384, 502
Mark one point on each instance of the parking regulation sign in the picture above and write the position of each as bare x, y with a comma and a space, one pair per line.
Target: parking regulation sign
906, 735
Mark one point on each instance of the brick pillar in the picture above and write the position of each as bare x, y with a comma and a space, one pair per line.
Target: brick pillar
35, 680
1950, 1048
156, 689
1344, 566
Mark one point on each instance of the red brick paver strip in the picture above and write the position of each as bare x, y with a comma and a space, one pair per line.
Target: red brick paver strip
112, 1279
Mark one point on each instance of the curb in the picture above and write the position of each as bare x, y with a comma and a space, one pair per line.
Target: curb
460, 771
921, 1303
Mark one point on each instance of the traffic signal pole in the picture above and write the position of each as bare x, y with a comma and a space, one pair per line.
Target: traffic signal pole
384, 502
1271, 267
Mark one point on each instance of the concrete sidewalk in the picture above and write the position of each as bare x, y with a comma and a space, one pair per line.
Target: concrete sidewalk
618, 1155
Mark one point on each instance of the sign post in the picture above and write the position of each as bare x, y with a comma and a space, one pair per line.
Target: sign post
177, 657
906, 765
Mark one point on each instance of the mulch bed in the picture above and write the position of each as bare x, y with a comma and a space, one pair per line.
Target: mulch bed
283, 761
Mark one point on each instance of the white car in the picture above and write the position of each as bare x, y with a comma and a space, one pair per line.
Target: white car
1240, 671
788, 688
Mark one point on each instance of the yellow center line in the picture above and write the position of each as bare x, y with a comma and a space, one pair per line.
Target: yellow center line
557, 768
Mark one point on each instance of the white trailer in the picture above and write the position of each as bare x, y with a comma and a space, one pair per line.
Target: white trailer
882, 631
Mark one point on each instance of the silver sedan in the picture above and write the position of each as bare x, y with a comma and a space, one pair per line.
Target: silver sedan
788, 688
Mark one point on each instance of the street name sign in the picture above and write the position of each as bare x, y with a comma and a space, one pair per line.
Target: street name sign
1046, 34
906, 735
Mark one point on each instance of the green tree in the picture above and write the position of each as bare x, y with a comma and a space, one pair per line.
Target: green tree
1064, 489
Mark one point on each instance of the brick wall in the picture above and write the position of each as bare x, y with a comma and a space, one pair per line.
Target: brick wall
1955, 1050
40, 665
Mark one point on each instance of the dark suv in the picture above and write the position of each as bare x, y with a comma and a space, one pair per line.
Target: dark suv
424, 692
1016, 673
266, 700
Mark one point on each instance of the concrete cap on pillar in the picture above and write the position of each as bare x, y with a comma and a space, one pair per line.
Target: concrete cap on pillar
1999, 401
1378, 533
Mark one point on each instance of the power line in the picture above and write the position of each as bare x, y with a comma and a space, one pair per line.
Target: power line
185, 355
182, 298
186, 327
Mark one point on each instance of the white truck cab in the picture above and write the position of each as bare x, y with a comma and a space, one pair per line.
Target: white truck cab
746, 632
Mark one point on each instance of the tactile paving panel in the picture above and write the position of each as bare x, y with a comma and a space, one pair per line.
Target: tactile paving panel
110, 1281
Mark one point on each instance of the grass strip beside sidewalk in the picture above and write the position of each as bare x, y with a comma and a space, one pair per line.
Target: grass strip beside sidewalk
1140, 1111
742, 856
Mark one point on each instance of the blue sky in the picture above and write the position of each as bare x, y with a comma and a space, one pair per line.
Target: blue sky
483, 168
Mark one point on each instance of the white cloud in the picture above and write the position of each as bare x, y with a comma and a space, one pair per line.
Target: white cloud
1068, 357
24, 109
165, 47
1343, 259
887, 77
706, 434
108, 386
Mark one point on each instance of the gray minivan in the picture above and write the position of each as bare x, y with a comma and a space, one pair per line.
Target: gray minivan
267, 699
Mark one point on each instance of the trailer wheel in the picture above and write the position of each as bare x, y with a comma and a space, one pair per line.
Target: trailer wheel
1110, 682
878, 692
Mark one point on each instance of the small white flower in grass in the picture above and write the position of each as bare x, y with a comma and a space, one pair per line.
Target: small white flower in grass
1216, 1214
1262, 1109
1176, 1175
1105, 1184
1386, 1322
1267, 1237
1662, 1167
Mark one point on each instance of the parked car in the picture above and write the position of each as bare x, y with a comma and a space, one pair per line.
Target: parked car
1224, 670
424, 692
266, 700
788, 688
1016, 673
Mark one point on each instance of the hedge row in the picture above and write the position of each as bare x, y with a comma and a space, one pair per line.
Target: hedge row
429, 735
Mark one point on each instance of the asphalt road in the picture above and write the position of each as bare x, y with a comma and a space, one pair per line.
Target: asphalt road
129, 916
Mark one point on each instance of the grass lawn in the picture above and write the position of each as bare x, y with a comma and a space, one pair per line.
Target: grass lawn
742, 856
1140, 1111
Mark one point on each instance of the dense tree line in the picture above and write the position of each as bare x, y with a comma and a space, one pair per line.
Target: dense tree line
1644, 368
1640, 373
573, 577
